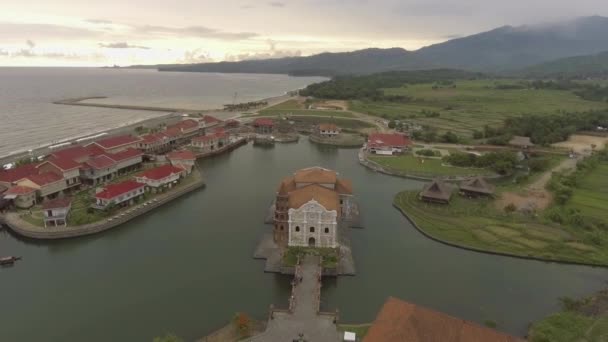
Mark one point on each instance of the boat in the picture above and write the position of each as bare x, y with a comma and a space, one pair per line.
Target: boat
9, 260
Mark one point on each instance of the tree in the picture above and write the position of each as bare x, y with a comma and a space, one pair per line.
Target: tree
392, 124
449, 137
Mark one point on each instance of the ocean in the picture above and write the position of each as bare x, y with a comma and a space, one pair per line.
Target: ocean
29, 119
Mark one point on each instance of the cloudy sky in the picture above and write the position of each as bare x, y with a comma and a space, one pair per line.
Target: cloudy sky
125, 32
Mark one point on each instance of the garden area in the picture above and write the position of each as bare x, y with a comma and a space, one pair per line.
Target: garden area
331, 256
425, 167
296, 108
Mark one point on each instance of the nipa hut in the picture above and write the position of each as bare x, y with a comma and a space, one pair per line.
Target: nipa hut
436, 192
476, 186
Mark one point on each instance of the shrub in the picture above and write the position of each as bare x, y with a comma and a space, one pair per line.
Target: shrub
510, 208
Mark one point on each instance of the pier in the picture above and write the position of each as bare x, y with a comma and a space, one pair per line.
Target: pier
303, 320
79, 102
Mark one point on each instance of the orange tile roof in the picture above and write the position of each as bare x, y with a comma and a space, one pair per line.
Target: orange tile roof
19, 190
400, 321
344, 186
326, 197
315, 175
287, 185
328, 127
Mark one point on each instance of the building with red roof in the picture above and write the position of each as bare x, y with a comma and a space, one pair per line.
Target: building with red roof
184, 159
183, 130
119, 194
56, 212
47, 184
117, 143
160, 177
22, 196
67, 168
263, 125
210, 142
77, 153
11, 176
387, 143
209, 121
155, 143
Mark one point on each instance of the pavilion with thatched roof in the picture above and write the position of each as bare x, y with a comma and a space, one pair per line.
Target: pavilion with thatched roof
477, 186
436, 192
521, 142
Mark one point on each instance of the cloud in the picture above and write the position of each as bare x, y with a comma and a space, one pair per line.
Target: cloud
452, 36
196, 56
122, 45
41, 31
99, 21
276, 4
194, 31
272, 52
30, 43
3, 52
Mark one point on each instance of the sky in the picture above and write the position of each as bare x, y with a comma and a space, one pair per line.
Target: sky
128, 32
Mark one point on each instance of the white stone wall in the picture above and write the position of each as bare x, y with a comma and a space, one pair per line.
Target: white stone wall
313, 225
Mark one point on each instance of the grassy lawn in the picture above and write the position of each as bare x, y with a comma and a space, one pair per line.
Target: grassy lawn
330, 255
472, 104
307, 112
410, 164
340, 122
476, 223
591, 194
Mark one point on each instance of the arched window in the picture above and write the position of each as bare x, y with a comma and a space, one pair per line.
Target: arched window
281, 227
326, 230
297, 228
312, 229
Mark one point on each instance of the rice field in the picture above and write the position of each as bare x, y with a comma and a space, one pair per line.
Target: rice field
591, 194
471, 105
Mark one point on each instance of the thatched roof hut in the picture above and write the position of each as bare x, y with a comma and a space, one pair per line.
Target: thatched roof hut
519, 141
477, 186
437, 191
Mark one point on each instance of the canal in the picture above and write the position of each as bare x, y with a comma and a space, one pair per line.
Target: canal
187, 267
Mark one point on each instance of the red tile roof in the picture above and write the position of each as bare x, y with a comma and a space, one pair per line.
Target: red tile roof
402, 321
209, 120
113, 190
160, 172
18, 173
95, 150
263, 122
44, 178
181, 155
57, 203
388, 140
100, 162
185, 125
117, 141
172, 132
153, 138
72, 153
19, 190
124, 155
64, 164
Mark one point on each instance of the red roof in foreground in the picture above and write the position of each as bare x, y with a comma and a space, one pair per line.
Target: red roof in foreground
114, 190
124, 155
181, 155
263, 122
57, 203
45, 178
72, 153
386, 139
160, 172
402, 321
20, 172
117, 141
19, 190
100, 162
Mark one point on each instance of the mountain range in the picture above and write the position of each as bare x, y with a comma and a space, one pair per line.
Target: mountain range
505, 49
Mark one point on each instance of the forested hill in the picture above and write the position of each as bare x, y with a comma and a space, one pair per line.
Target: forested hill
503, 49
580, 67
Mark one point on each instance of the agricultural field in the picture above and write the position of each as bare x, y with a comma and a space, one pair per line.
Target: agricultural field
469, 105
475, 223
417, 166
294, 107
590, 196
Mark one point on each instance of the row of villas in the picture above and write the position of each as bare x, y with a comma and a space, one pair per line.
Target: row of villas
102, 161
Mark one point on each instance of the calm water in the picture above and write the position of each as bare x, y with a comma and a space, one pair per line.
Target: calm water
187, 267
29, 119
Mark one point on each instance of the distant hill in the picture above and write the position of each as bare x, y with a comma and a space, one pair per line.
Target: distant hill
592, 66
503, 49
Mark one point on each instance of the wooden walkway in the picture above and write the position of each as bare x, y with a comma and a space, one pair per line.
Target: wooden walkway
303, 318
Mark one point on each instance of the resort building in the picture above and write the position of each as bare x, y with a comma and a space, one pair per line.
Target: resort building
326, 130
10, 177
46, 184
120, 194
160, 177
387, 144
106, 166
155, 143
184, 130
22, 196
210, 142
436, 192
263, 126
56, 212
476, 186
67, 168
184, 159
402, 321
116, 144
208, 121
309, 206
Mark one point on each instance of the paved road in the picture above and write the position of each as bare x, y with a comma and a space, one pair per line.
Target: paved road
286, 327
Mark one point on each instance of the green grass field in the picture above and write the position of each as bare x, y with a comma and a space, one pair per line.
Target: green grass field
472, 104
409, 164
476, 223
294, 108
344, 123
591, 194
